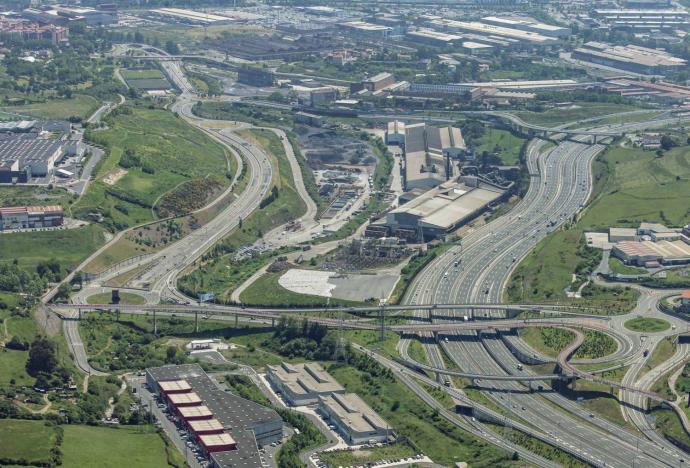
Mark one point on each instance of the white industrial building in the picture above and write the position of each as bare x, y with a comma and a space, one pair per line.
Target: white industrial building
22, 152
445, 208
302, 384
479, 29
353, 418
528, 24
190, 16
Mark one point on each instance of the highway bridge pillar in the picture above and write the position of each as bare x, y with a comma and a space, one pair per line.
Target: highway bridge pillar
273, 323
196, 321
236, 319
117, 315
79, 311
382, 315
155, 324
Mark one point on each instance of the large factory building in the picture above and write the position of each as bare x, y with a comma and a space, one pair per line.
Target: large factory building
230, 429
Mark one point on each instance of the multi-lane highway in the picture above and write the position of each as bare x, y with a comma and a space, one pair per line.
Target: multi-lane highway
478, 271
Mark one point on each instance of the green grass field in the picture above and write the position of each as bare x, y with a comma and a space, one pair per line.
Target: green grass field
641, 187
215, 275
501, 143
141, 74
663, 352
27, 441
647, 325
18, 195
174, 151
364, 456
70, 246
125, 298
134, 447
599, 398
80, 105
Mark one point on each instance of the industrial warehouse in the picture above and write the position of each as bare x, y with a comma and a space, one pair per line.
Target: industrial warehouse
651, 245
354, 418
23, 156
427, 152
30, 217
443, 209
631, 58
308, 383
229, 429
302, 384
190, 16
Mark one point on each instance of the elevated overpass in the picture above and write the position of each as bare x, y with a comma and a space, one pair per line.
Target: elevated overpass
66, 311
218, 309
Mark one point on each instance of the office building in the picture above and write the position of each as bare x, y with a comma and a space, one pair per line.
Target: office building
302, 384
440, 90
30, 217
378, 82
229, 429
354, 419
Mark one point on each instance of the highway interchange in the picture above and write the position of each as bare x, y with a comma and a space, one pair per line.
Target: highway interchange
473, 272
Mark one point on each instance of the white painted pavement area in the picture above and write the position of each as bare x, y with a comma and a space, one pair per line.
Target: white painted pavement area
312, 282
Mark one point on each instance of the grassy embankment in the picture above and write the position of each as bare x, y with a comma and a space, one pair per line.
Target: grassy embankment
167, 153
585, 110
631, 186
621, 268
176, 169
